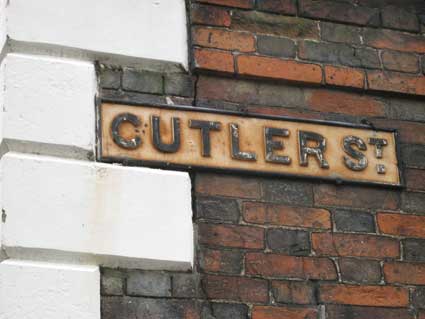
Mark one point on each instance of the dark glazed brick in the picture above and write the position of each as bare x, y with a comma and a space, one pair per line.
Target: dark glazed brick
274, 46
288, 192
334, 53
419, 297
413, 156
142, 81
413, 202
297, 292
360, 271
406, 109
112, 282
219, 209
229, 311
184, 286
398, 18
414, 250
221, 261
333, 32
278, 6
399, 61
289, 242
109, 78
369, 58
152, 284
354, 312
346, 220
132, 97
179, 84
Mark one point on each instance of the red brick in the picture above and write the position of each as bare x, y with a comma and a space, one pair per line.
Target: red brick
275, 265
225, 185
236, 288
396, 82
415, 179
286, 312
421, 315
245, 4
409, 132
356, 312
209, 15
231, 236
279, 69
342, 76
282, 111
355, 245
214, 60
382, 296
296, 292
278, 6
401, 225
275, 214
398, 61
394, 40
354, 196
404, 273
345, 103
223, 39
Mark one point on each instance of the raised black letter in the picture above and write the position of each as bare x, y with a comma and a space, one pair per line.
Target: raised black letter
236, 152
317, 151
362, 160
272, 145
205, 127
115, 127
156, 135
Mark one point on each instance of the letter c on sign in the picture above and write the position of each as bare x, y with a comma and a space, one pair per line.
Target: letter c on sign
115, 127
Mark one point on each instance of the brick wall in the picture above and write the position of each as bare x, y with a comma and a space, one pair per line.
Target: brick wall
286, 248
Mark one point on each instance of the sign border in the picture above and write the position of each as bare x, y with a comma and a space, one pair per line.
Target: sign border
195, 168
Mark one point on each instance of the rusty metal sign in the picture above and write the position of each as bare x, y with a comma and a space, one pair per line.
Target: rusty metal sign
189, 137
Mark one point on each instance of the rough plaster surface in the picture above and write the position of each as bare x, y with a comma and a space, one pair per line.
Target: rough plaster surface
49, 100
101, 209
34, 290
2, 23
150, 29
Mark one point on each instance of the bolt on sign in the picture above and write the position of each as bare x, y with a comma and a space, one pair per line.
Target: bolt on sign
190, 137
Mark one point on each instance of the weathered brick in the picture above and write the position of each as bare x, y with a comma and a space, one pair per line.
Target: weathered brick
413, 202
404, 273
245, 4
279, 69
264, 23
142, 81
401, 224
275, 265
400, 61
283, 111
343, 76
219, 209
143, 308
356, 312
415, 178
419, 297
288, 192
209, 15
355, 245
341, 33
179, 84
409, 132
291, 242
355, 196
344, 103
394, 40
213, 60
396, 82
335, 53
148, 283
223, 39
110, 78
275, 46
381, 296
268, 312
120, 96
414, 250
297, 292
226, 310
340, 12
222, 261
278, 6
360, 270
369, 58
112, 283
231, 236
395, 17
225, 185
184, 286
413, 156
275, 214
423, 64
353, 221
236, 288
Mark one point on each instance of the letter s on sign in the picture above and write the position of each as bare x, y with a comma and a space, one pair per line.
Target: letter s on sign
362, 162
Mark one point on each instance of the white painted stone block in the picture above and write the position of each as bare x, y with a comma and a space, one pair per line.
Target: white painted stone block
152, 29
94, 208
49, 100
34, 290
